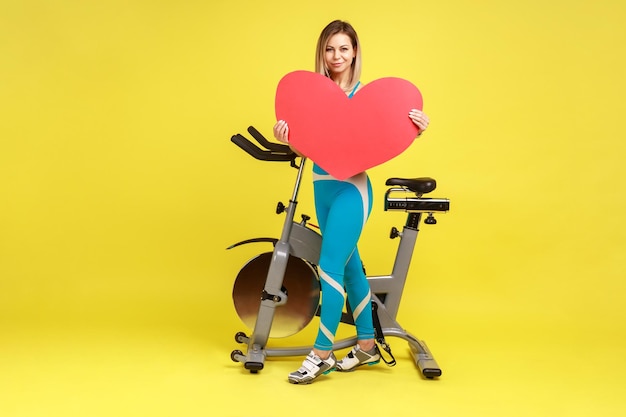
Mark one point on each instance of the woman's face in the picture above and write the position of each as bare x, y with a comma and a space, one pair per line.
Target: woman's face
339, 54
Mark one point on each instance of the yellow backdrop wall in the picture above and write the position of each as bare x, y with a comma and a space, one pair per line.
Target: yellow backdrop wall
120, 189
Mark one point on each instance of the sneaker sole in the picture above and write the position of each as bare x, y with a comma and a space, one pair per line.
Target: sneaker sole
310, 381
361, 364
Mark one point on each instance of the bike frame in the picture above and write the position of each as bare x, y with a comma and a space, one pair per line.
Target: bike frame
301, 241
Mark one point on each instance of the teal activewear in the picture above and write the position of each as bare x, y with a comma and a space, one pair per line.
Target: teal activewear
342, 209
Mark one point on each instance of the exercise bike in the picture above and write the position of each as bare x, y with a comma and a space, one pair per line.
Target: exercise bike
265, 284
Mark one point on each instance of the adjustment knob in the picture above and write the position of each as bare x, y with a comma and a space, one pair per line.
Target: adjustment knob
280, 207
394, 233
430, 219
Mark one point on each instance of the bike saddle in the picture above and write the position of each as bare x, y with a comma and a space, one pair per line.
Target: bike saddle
418, 185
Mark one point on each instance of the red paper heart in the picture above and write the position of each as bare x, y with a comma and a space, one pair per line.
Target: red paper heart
347, 136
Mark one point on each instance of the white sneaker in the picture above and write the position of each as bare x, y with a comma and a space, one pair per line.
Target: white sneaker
312, 367
357, 357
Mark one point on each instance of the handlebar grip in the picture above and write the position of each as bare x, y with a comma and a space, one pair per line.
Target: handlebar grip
266, 143
260, 154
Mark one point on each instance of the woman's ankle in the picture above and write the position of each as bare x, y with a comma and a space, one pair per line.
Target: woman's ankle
324, 354
367, 344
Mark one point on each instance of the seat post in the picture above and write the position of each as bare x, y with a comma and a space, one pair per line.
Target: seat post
394, 284
413, 220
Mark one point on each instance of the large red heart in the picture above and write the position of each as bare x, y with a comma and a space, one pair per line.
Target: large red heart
347, 136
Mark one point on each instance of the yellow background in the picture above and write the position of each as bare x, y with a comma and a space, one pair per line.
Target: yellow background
120, 190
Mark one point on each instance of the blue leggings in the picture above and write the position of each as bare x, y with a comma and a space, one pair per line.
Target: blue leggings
342, 208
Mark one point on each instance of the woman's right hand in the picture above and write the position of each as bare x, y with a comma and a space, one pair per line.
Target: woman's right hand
281, 132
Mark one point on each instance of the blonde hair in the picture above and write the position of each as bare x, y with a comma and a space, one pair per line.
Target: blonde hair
333, 28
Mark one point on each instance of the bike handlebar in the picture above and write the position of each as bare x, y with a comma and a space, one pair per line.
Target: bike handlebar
274, 152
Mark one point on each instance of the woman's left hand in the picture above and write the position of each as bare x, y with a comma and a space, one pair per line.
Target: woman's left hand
420, 119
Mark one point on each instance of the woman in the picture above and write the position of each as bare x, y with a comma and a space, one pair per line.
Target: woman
342, 209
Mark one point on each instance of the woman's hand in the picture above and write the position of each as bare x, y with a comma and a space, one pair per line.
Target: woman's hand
420, 120
281, 132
